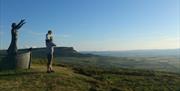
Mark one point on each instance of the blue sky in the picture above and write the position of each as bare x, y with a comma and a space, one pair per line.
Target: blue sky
93, 25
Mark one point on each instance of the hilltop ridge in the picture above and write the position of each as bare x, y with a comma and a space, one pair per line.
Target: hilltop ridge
58, 51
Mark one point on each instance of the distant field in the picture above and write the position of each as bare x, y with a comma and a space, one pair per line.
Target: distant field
168, 64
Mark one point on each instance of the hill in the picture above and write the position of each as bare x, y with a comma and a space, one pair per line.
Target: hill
68, 55
137, 53
87, 72
58, 51
68, 78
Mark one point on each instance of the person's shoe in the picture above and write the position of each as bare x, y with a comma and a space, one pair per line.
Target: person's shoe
52, 71
48, 71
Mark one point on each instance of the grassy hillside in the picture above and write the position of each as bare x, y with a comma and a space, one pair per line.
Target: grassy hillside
89, 78
81, 72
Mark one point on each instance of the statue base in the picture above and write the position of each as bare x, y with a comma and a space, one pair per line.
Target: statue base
19, 61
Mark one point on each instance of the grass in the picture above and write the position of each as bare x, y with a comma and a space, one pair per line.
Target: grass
68, 78
37, 79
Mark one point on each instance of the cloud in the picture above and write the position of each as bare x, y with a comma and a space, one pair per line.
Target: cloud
1, 32
40, 33
62, 36
1, 26
65, 36
35, 33
163, 43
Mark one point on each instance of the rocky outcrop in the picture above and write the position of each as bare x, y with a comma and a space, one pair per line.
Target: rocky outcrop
59, 52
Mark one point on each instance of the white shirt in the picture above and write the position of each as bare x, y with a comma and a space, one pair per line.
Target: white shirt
49, 36
50, 44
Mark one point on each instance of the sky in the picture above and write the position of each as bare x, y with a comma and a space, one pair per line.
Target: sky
93, 25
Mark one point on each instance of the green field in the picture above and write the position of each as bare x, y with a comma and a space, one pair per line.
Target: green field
95, 73
167, 64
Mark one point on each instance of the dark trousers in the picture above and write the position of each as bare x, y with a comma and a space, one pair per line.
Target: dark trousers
50, 59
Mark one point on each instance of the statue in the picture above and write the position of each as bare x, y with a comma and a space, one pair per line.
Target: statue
12, 50
14, 58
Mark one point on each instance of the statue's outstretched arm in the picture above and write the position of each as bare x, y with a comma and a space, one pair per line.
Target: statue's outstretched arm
20, 24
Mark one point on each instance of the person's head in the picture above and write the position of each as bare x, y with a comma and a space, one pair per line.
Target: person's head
13, 25
49, 32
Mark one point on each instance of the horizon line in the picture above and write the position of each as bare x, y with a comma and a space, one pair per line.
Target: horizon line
104, 50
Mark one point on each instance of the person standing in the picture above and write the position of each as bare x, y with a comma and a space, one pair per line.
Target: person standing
50, 50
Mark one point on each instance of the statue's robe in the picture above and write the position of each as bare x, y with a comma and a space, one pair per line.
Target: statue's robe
12, 50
